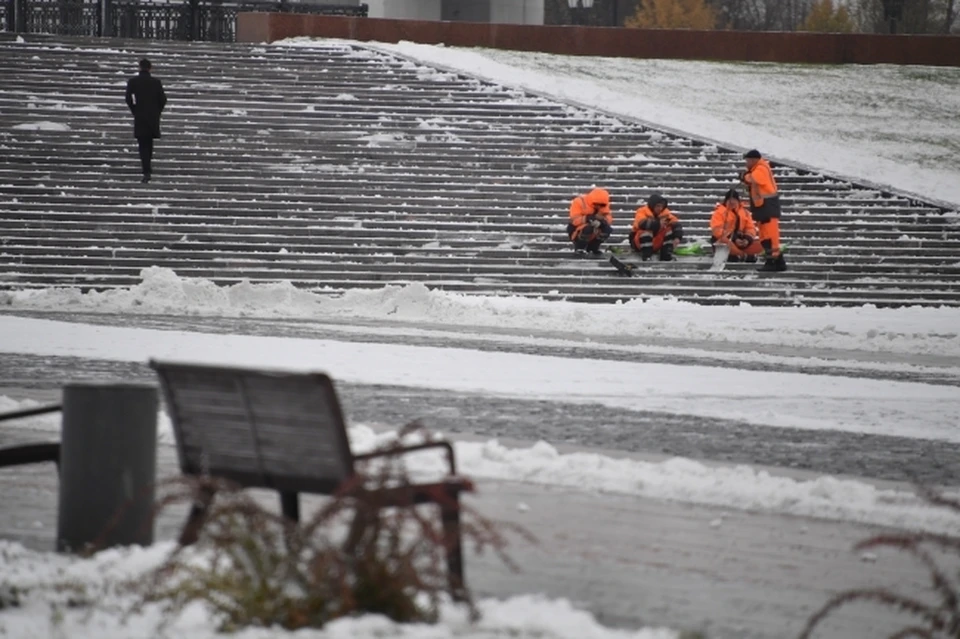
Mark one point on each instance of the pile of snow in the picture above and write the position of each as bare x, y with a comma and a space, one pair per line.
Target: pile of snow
42, 125
678, 479
45, 583
683, 480
657, 323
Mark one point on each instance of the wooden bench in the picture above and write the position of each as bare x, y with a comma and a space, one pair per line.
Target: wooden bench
285, 431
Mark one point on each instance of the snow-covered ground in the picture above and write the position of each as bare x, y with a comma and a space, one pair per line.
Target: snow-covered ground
883, 124
808, 401
45, 582
682, 480
790, 400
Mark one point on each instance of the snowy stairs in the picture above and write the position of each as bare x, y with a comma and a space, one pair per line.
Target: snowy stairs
340, 168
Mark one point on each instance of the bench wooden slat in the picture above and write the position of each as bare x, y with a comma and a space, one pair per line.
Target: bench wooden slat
287, 424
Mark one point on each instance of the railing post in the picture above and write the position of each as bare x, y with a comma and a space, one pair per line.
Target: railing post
106, 12
19, 15
194, 20
108, 459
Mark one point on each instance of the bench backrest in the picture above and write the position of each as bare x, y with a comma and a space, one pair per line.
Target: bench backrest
259, 428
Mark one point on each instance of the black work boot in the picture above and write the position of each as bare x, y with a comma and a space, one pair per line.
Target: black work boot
646, 252
579, 248
666, 253
774, 265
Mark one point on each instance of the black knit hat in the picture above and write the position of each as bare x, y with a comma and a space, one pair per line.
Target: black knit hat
752, 153
145, 64
655, 199
732, 193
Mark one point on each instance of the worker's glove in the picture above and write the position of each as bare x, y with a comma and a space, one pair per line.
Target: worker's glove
595, 223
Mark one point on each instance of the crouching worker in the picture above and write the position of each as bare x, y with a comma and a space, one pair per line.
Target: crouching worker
655, 228
590, 221
765, 207
732, 225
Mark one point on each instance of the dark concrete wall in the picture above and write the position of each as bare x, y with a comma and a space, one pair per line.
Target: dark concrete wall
815, 48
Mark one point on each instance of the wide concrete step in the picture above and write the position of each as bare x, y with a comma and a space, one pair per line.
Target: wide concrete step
521, 269
423, 222
428, 223
819, 265
336, 189
388, 180
363, 193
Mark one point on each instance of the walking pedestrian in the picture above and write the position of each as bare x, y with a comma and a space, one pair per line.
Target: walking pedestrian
146, 99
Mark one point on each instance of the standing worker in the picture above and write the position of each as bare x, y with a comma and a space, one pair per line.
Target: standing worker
765, 207
146, 100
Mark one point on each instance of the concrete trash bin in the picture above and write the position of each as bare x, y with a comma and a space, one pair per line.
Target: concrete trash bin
108, 465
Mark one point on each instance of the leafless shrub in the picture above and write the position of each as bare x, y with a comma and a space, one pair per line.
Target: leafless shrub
253, 567
939, 620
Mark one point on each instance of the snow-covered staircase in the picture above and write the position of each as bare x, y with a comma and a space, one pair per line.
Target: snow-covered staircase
341, 167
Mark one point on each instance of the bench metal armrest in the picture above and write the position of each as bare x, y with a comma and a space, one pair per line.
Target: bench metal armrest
29, 412
30, 454
400, 450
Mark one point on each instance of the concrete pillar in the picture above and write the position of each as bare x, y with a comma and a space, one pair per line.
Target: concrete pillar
108, 466
404, 9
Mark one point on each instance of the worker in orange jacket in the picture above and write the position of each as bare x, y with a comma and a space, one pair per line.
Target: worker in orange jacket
591, 222
765, 207
731, 224
655, 228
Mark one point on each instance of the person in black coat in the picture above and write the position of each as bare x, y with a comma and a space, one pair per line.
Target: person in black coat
146, 100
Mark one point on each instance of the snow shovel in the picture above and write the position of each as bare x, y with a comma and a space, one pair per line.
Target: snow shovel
720, 254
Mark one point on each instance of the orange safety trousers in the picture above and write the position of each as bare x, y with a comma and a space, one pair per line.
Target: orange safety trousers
753, 248
658, 239
769, 237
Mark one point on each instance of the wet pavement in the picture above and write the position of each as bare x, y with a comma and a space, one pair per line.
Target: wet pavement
630, 560
595, 426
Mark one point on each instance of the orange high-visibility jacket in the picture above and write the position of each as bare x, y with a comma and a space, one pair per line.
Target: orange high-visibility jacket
725, 222
761, 182
666, 217
596, 202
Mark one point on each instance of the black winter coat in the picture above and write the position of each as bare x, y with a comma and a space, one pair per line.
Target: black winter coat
146, 100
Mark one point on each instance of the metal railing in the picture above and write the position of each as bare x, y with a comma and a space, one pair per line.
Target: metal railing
209, 20
76, 18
